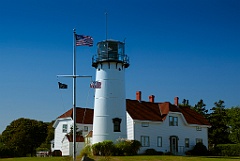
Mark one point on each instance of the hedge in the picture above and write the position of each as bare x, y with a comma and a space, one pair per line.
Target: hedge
227, 150
121, 147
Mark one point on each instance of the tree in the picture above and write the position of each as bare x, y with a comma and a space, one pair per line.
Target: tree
200, 108
50, 136
185, 102
234, 124
219, 132
78, 132
23, 136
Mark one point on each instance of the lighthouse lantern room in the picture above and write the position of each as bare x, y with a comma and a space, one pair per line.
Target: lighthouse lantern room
110, 103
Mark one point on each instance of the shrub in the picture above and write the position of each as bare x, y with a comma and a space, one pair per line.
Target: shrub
135, 146
151, 152
199, 149
86, 151
168, 153
6, 152
188, 152
127, 147
105, 148
96, 148
122, 147
227, 150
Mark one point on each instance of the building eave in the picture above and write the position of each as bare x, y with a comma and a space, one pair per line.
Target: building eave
60, 119
149, 121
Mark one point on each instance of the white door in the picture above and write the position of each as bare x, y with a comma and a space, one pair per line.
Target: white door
173, 144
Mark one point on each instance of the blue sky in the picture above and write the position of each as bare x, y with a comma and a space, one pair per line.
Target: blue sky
186, 48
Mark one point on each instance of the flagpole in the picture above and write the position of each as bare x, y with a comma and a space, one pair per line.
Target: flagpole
74, 95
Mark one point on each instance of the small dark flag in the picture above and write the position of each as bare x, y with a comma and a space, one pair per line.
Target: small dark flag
95, 84
62, 86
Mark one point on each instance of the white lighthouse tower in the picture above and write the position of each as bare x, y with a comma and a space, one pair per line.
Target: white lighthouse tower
110, 103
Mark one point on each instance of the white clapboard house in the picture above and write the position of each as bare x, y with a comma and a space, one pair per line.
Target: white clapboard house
163, 126
63, 140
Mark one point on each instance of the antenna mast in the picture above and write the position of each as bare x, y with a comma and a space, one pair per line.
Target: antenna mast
106, 25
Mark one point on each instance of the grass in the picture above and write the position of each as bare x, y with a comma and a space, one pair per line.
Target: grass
128, 158
36, 159
167, 158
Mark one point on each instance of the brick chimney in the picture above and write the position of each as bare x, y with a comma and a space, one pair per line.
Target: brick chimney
139, 96
176, 101
151, 98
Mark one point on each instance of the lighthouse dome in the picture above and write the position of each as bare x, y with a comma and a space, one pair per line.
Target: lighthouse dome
110, 51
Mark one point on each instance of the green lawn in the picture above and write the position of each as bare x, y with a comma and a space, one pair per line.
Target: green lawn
130, 158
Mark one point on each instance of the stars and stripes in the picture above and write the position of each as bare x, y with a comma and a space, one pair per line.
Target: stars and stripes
95, 84
82, 40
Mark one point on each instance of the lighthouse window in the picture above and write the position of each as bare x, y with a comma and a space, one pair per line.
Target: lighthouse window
121, 51
102, 51
113, 50
116, 124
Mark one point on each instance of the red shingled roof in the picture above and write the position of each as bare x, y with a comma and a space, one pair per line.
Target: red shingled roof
78, 138
192, 117
82, 118
141, 110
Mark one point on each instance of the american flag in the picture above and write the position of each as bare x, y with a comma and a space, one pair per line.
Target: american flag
82, 40
95, 84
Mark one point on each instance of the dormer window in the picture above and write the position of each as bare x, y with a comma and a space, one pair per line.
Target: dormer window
116, 124
145, 124
198, 128
173, 121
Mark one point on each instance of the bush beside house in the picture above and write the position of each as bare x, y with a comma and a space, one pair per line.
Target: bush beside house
198, 150
227, 150
121, 147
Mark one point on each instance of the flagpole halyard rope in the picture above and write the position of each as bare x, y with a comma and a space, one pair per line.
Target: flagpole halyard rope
86, 105
62, 100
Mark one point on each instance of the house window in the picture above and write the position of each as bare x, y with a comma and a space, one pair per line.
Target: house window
64, 128
187, 142
85, 128
198, 128
159, 141
145, 141
145, 124
198, 140
173, 121
116, 124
